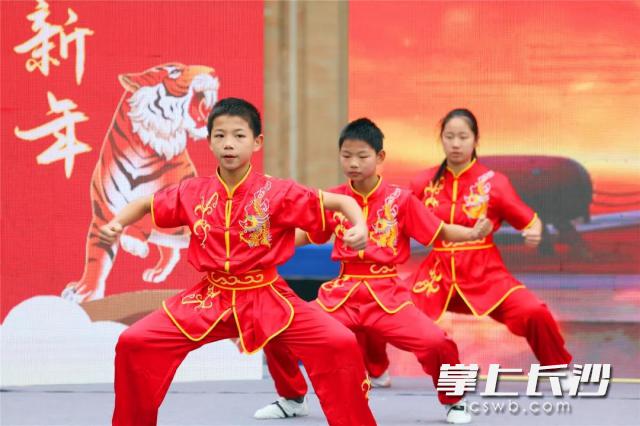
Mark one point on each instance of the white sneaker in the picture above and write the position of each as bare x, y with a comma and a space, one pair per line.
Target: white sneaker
457, 413
384, 381
283, 408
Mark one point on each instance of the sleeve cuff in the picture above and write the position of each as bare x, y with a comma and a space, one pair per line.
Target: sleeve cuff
530, 224
311, 239
324, 224
436, 233
153, 216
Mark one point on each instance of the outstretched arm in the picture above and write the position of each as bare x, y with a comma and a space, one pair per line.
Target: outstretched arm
131, 213
458, 234
533, 233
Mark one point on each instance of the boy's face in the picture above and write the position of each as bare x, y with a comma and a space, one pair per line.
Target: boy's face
359, 160
232, 142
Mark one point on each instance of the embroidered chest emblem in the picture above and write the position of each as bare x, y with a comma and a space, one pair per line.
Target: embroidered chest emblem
384, 231
201, 226
477, 202
431, 191
255, 224
342, 224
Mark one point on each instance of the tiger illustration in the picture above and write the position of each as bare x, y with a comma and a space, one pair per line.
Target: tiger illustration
144, 151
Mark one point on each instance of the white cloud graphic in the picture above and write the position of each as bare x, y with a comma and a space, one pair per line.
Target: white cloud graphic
48, 340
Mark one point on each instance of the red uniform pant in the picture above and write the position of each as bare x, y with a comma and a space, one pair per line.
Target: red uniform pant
149, 352
522, 312
409, 330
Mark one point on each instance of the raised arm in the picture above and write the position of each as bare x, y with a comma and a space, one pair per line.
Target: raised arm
356, 236
458, 233
533, 233
131, 213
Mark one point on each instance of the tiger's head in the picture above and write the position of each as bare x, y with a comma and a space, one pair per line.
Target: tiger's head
170, 103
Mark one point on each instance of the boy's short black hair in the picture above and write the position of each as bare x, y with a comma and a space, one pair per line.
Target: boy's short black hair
365, 130
239, 108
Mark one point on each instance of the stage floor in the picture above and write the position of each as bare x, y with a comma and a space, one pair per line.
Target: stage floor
410, 401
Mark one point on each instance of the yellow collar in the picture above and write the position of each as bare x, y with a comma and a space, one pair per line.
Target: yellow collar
463, 170
365, 198
230, 192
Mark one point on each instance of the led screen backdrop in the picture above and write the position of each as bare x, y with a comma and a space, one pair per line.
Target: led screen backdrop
556, 89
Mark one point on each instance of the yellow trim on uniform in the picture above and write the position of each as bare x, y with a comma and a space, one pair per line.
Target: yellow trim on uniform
230, 193
466, 302
227, 242
235, 316
227, 211
311, 239
242, 288
335, 308
473, 161
324, 220
491, 309
453, 269
437, 233
365, 213
364, 277
453, 200
384, 308
446, 304
153, 216
530, 224
187, 335
366, 197
462, 248
227, 234
227, 223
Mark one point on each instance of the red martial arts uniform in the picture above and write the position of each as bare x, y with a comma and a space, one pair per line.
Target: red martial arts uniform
368, 295
471, 277
238, 236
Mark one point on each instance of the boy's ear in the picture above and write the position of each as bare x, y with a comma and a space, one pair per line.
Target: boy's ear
258, 143
381, 156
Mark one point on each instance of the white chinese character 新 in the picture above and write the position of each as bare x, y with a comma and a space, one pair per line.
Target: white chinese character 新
457, 379
41, 44
66, 146
492, 380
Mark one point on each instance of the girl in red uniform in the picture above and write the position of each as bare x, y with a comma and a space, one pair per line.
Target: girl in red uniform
242, 226
471, 277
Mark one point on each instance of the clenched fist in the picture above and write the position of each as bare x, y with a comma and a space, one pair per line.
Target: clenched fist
110, 232
356, 237
482, 228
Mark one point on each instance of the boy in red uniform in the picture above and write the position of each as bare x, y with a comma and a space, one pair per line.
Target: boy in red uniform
368, 296
471, 277
242, 225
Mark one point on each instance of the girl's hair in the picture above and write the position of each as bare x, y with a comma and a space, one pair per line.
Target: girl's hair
467, 116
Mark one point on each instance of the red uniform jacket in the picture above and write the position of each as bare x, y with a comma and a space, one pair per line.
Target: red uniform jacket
393, 216
474, 269
238, 236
